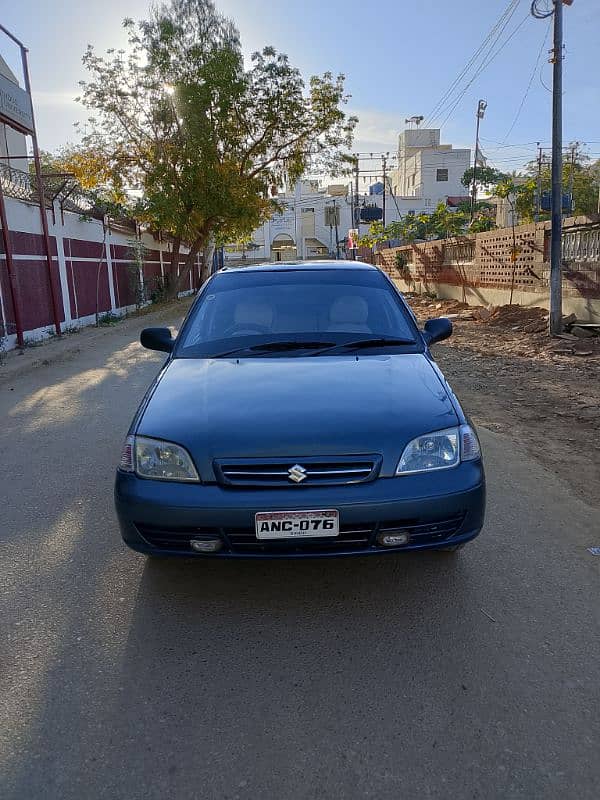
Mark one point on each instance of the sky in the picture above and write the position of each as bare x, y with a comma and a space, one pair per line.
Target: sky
399, 57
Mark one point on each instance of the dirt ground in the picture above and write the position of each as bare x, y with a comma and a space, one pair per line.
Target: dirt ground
512, 377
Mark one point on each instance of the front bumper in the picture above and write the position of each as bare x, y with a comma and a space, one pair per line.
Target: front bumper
437, 510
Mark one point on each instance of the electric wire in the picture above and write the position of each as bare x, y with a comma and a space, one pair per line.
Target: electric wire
483, 66
502, 21
532, 76
535, 10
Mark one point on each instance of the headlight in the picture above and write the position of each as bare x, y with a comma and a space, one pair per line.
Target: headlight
439, 450
157, 459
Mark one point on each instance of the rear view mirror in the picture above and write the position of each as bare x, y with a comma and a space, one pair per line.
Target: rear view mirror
157, 339
436, 330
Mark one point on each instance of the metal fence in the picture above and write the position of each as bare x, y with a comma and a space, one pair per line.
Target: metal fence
459, 252
16, 183
64, 188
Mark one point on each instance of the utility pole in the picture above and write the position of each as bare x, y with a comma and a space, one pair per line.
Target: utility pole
556, 231
352, 212
384, 165
334, 223
557, 161
481, 107
538, 194
356, 170
337, 232
574, 149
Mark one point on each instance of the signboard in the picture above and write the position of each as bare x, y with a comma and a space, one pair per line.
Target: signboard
15, 105
546, 202
353, 238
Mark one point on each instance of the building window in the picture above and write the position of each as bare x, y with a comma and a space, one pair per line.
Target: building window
441, 175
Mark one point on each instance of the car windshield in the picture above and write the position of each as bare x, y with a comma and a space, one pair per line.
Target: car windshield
275, 313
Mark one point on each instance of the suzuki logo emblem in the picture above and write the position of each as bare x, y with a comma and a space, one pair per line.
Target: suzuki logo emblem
297, 473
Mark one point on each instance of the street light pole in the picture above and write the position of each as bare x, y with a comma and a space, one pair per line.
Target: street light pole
556, 226
538, 192
481, 107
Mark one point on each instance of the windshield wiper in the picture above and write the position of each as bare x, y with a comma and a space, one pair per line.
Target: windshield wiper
359, 344
274, 347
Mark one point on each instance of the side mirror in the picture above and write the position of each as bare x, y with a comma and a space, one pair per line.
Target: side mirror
157, 339
436, 330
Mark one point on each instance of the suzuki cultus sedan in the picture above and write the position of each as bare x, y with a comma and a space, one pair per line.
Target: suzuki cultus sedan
299, 414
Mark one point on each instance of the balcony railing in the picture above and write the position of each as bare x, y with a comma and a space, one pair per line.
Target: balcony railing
583, 245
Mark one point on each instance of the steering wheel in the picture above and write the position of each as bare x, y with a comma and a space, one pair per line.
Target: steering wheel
246, 327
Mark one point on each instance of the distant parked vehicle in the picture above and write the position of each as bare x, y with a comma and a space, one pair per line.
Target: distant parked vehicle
299, 413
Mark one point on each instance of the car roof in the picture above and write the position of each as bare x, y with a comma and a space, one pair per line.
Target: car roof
285, 266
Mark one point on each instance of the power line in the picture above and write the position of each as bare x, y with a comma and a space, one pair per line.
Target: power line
540, 14
501, 144
483, 66
533, 74
502, 21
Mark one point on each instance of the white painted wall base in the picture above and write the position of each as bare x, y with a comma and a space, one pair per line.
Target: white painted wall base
585, 309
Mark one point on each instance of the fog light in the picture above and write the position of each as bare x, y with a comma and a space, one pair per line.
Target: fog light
393, 539
206, 545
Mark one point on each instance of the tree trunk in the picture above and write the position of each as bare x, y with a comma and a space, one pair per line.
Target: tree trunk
181, 283
208, 252
172, 289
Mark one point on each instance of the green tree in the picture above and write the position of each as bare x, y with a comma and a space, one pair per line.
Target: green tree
409, 229
481, 223
583, 173
487, 177
199, 137
376, 233
444, 223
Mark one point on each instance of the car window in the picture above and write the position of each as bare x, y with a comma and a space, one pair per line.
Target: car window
325, 305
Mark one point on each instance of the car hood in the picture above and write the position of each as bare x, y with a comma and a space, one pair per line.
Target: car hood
297, 407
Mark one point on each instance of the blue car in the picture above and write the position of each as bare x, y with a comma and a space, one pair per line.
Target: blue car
299, 414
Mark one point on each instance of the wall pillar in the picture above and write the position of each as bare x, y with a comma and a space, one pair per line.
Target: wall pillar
57, 232
109, 268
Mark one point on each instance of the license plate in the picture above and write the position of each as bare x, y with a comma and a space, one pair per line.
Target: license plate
296, 524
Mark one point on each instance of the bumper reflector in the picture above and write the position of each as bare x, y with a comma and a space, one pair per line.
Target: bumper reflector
393, 539
206, 545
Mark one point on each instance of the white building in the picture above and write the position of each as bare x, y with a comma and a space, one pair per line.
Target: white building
300, 229
428, 173
427, 170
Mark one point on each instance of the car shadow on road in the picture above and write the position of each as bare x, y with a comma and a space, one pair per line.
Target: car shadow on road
244, 658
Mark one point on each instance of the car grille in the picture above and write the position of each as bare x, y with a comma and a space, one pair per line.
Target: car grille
356, 536
308, 472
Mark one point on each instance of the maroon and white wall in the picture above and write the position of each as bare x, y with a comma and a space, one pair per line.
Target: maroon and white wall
91, 271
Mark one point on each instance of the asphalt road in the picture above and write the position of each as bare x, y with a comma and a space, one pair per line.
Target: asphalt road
425, 676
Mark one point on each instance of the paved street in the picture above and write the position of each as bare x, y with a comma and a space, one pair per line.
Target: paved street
426, 676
